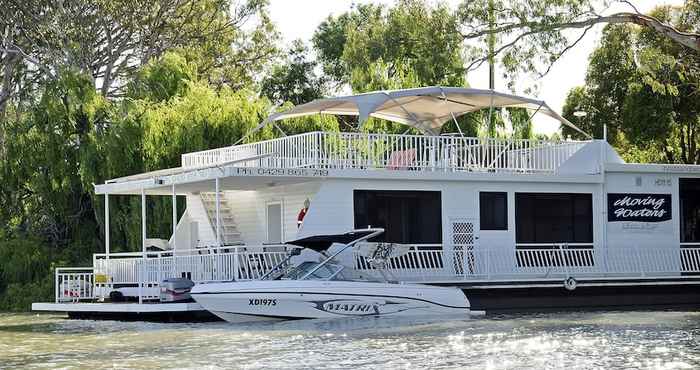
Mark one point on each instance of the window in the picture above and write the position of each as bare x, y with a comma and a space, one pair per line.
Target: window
493, 211
411, 217
553, 218
689, 190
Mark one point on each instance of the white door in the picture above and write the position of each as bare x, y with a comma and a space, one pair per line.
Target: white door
274, 222
464, 237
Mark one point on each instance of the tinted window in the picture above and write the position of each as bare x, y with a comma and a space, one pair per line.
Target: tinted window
493, 211
411, 217
553, 218
690, 210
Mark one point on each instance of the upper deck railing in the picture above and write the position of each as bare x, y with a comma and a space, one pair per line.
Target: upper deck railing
344, 150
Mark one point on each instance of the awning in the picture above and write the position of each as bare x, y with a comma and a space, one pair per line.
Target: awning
425, 108
320, 243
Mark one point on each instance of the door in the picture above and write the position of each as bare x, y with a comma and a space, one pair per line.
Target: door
463, 238
274, 222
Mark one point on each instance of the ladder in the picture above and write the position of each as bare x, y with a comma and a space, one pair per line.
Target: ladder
229, 229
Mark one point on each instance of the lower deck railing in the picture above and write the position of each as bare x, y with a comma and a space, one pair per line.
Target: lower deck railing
556, 261
74, 284
144, 274
422, 263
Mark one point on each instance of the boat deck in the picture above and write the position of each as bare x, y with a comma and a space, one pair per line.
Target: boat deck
158, 312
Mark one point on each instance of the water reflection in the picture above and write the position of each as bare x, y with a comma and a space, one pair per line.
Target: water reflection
665, 340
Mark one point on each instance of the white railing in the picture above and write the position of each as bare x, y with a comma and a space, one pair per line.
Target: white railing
73, 284
344, 150
422, 263
558, 261
198, 265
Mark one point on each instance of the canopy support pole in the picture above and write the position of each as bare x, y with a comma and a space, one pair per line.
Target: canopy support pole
261, 125
529, 119
218, 213
413, 116
452, 114
143, 244
106, 225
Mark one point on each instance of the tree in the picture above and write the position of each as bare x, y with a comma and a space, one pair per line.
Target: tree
411, 44
533, 35
51, 150
611, 67
645, 88
110, 39
162, 78
295, 79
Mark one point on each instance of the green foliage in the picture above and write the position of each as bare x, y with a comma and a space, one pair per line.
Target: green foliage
611, 67
411, 44
200, 119
530, 36
644, 87
163, 78
25, 273
49, 158
294, 80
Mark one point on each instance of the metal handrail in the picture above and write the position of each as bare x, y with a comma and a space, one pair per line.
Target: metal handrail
366, 151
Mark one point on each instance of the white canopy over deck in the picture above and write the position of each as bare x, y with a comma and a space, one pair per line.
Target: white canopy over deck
426, 108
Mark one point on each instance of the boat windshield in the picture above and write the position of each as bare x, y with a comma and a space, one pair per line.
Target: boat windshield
325, 272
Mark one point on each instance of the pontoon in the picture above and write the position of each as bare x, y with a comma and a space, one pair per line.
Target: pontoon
516, 224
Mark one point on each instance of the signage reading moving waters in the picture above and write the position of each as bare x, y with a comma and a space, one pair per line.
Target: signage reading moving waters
639, 207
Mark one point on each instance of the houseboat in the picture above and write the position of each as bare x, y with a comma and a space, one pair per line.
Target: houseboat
516, 224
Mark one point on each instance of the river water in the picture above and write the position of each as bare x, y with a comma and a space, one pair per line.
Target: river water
604, 340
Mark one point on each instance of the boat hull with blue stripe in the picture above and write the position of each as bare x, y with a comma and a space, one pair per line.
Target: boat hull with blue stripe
308, 299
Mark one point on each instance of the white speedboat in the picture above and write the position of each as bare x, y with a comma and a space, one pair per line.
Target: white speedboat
318, 290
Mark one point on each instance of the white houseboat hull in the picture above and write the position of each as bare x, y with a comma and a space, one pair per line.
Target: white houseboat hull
290, 299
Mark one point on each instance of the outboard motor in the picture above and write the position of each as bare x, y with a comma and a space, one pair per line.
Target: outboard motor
176, 290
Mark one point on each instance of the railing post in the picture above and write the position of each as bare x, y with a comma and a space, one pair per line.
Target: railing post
315, 146
106, 225
235, 264
563, 259
160, 269
143, 244
218, 214
56, 284
174, 215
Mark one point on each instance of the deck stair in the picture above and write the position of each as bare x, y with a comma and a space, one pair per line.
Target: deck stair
230, 235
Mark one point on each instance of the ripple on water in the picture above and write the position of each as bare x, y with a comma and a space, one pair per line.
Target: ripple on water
659, 340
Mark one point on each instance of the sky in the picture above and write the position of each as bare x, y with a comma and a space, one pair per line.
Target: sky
298, 19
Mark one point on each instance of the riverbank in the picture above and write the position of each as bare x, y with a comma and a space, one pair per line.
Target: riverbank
668, 340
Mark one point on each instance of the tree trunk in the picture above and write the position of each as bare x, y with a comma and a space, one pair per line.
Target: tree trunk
8, 69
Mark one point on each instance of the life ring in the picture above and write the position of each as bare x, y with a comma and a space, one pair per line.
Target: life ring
570, 284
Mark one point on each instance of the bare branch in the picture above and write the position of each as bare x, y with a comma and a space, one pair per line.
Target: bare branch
688, 39
478, 62
567, 48
17, 50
